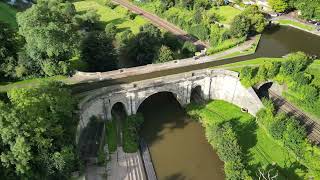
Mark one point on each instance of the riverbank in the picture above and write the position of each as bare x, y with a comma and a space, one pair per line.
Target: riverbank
261, 151
295, 23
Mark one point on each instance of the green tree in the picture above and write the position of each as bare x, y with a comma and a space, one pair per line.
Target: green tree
50, 32
142, 48
98, 52
111, 30
215, 35
48, 28
240, 26
8, 50
37, 131
257, 20
278, 5
189, 48
164, 55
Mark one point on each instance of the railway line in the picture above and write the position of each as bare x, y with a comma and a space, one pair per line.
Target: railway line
157, 21
311, 125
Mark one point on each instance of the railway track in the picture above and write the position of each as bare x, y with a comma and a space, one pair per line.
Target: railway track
157, 21
312, 126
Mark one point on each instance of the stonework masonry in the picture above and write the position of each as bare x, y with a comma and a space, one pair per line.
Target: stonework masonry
214, 84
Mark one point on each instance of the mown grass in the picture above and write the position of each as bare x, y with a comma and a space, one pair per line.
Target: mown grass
259, 148
252, 62
117, 16
227, 13
296, 24
6, 86
8, 14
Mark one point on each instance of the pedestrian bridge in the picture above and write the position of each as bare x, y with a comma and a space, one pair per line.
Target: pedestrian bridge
209, 83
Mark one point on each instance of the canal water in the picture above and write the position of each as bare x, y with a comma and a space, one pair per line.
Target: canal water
178, 147
275, 42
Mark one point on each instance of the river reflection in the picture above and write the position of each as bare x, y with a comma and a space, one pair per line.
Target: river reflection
178, 146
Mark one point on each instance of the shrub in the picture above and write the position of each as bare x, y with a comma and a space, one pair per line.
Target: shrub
111, 135
200, 31
278, 126
189, 48
294, 137
131, 130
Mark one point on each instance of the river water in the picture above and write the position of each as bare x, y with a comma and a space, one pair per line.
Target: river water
178, 146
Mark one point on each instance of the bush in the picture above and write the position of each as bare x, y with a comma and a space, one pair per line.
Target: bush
189, 48
200, 31
278, 127
130, 131
111, 135
294, 136
131, 15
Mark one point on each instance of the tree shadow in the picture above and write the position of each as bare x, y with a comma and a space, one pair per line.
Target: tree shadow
247, 135
176, 176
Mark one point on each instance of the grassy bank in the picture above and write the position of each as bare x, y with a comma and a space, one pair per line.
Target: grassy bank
6, 86
295, 24
118, 16
8, 14
259, 148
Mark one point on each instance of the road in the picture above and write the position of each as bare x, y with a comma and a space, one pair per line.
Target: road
312, 127
157, 21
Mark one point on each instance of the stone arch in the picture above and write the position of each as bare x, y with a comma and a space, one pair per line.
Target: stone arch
262, 89
119, 105
197, 93
177, 96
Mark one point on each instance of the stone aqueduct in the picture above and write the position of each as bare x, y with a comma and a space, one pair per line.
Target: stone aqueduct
214, 84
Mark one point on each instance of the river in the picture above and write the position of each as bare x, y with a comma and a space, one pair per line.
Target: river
178, 147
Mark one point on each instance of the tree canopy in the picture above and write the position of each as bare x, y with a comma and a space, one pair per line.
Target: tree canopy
37, 132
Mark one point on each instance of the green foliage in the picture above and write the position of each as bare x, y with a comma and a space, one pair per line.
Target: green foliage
142, 48
88, 21
111, 30
130, 131
309, 9
48, 28
189, 48
200, 31
111, 135
37, 132
251, 20
278, 5
8, 51
240, 26
98, 52
215, 35
164, 55
292, 135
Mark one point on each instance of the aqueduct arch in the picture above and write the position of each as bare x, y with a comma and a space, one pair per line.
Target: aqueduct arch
211, 83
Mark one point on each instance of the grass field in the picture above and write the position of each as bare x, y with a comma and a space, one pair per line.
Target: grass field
252, 62
8, 14
4, 87
227, 13
259, 148
117, 16
296, 24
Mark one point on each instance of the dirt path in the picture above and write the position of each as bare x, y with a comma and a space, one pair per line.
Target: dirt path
157, 21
